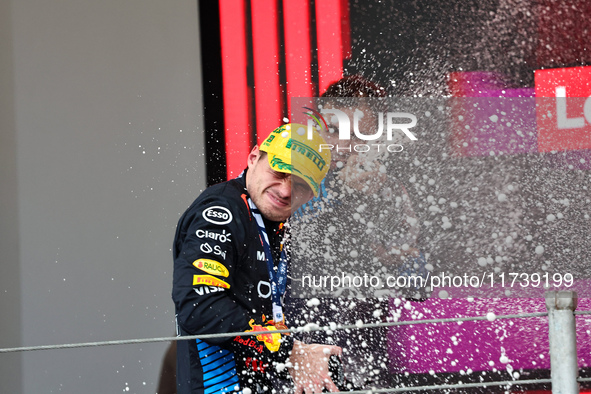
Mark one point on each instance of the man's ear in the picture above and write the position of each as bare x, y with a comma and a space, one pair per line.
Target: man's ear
253, 156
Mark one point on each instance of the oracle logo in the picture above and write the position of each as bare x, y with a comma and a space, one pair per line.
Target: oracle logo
563, 108
562, 119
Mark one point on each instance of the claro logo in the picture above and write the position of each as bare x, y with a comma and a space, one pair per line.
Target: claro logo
217, 215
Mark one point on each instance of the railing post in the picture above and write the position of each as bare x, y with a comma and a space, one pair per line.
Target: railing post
563, 341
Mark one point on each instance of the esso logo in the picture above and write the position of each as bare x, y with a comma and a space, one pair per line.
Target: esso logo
217, 215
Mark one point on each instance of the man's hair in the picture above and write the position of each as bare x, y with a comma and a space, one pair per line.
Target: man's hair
355, 86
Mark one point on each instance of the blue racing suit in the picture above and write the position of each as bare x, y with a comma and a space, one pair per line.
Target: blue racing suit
221, 285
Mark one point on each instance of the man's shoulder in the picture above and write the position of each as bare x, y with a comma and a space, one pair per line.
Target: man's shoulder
219, 213
231, 191
221, 201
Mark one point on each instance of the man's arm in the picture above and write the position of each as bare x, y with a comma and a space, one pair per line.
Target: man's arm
202, 279
308, 367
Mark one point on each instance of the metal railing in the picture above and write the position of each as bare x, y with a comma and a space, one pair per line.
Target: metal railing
561, 311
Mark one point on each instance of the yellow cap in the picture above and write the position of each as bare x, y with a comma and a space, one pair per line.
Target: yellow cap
289, 150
